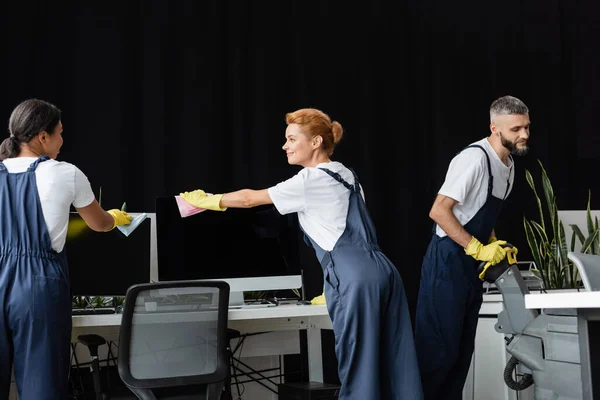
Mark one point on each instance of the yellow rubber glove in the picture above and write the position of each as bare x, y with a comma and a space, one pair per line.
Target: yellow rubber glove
493, 252
198, 198
511, 255
120, 217
319, 300
492, 239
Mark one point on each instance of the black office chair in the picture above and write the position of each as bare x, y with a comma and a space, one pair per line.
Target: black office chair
173, 342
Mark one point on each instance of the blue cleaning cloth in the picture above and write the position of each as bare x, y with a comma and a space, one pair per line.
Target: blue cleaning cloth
133, 224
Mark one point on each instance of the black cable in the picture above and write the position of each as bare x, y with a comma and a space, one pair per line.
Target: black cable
523, 383
236, 368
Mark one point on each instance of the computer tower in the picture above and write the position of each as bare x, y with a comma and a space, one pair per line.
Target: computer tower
308, 391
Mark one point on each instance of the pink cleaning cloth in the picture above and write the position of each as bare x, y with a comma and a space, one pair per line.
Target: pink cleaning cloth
186, 209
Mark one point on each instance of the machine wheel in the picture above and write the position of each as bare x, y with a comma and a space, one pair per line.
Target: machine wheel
523, 383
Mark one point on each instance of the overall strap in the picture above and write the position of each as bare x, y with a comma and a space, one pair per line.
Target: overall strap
511, 171
356, 182
341, 180
489, 165
34, 164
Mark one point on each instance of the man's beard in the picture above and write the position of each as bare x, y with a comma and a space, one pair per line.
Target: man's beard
512, 146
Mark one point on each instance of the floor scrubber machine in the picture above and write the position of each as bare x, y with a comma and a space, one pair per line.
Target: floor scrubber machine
543, 344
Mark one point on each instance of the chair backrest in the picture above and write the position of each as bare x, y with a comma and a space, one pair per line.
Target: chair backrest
173, 337
589, 269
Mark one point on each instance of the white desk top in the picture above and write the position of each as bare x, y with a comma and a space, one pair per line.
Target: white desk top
569, 299
280, 311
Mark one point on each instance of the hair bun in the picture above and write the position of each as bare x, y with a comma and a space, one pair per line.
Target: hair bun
337, 131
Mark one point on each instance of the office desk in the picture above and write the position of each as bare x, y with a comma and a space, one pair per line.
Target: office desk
587, 305
285, 317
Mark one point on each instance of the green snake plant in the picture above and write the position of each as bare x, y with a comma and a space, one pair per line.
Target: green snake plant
548, 243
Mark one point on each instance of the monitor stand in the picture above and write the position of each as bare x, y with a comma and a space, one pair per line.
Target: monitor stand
236, 300
303, 301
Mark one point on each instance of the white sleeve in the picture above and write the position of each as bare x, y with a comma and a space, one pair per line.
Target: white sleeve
289, 196
465, 171
83, 190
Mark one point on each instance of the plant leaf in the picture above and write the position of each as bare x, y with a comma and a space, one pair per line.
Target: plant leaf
562, 244
540, 230
587, 246
548, 194
535, 251
555, 224
597, 242
590, 222
576, 234
537, 198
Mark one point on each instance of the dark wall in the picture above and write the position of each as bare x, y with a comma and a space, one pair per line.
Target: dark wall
160, 97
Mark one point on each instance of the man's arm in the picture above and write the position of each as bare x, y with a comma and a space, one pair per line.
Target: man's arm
441, 213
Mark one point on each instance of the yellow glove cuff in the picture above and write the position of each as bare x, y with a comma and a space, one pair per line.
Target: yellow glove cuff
473, 247
213, 203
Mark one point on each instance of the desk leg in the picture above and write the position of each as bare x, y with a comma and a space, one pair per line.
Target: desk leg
315, 356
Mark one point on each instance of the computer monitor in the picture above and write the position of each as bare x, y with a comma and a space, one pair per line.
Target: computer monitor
108, 263
252, 249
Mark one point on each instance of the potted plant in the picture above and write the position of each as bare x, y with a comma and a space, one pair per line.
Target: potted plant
548, 243
79, 302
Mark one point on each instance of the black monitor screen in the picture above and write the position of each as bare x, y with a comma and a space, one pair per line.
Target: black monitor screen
106, 263
236, 243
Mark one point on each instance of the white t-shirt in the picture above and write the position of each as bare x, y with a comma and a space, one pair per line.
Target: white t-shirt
320, 201
59, 184
467, 181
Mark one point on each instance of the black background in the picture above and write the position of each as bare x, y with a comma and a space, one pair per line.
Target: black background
160, 97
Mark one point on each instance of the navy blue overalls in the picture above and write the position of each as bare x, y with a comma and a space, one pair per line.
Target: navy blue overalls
35, 326
450, 297
368, 308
